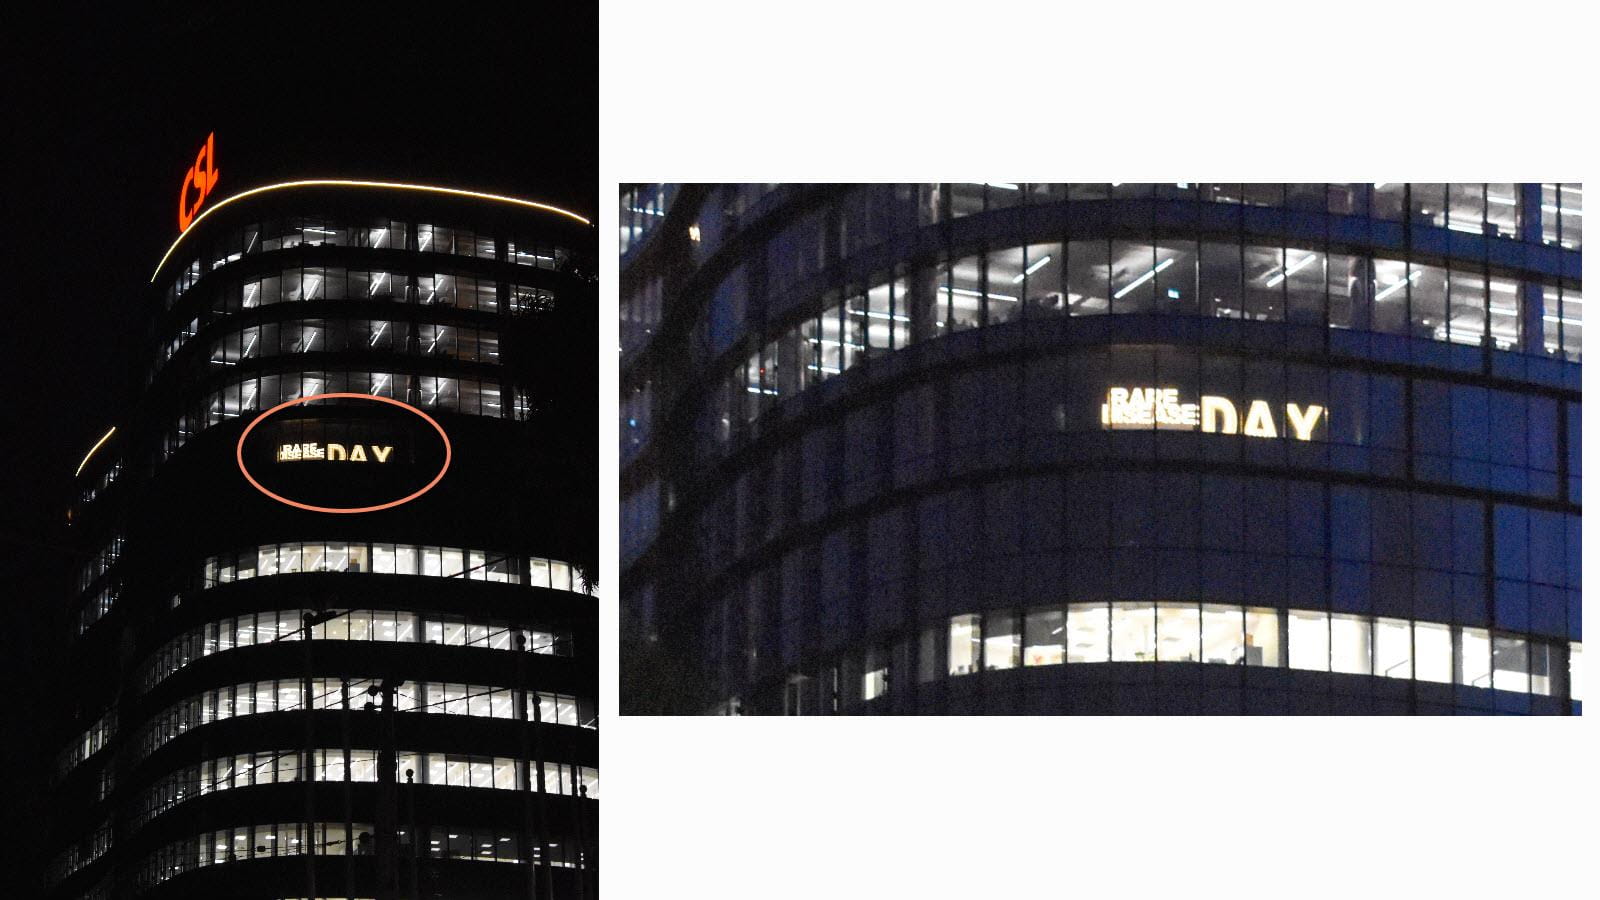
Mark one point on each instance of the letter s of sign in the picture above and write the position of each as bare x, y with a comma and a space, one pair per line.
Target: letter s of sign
202, 176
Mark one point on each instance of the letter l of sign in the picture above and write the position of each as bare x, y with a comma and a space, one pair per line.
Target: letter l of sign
211, 164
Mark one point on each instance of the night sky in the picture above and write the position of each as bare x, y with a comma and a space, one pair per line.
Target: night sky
104, 115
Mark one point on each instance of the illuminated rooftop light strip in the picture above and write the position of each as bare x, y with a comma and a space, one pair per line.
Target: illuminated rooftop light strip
1278, 278
103, 439
340, 182
1141, 279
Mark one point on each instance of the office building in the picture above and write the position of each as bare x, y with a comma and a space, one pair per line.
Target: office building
334, 632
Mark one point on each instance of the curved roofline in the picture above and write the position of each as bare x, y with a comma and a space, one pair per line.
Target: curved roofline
97, 444
337, 182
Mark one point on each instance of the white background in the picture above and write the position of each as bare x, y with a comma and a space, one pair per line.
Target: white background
1130, 807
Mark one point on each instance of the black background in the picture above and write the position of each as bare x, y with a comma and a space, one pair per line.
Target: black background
105, 108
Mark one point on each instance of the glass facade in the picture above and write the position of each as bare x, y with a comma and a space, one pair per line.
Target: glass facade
1361, 462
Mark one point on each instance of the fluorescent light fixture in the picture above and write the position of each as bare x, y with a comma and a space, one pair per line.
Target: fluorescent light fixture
249, 346
378, 334
1379, 185
1041, 263
1503, 287
309, 341
1503, 201
379, 386
1564, 210
1141, 279
1574, 322
1304, 261
1004, 186
1502, 310
878, 315
1397, 285
970, 293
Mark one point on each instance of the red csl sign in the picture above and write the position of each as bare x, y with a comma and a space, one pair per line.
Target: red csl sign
199, 181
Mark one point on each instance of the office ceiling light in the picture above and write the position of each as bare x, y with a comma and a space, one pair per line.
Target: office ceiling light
1043, 261
1002, 185
1397, 285
971, 293
1141, 279
1304, 261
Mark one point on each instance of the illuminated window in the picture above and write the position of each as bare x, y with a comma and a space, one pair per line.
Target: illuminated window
1352, 644
875, 683
1308, 640
1088, 632
1503, 211
1133, 632
1433, 652
965, 644
1045, 638
1472, 657
1178, 632
1392, 648
1510, 664
1222, 633
1540, 668
1002, 645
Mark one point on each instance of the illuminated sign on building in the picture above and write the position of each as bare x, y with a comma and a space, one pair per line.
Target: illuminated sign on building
201, 178
1162, 408
333, 452
378, 485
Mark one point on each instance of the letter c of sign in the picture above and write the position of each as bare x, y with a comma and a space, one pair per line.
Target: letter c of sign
203, 177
